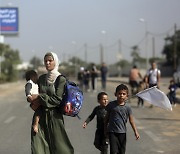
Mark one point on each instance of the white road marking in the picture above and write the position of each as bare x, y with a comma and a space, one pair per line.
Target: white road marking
149, 133
160, 151
140, 128
10, 119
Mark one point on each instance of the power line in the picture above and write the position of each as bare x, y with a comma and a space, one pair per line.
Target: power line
162, 34
95, 49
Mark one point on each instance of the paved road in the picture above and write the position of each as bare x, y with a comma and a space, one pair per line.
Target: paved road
159, 129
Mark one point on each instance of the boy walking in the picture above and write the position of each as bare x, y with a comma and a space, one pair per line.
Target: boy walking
172, 92
118, 113
100, 112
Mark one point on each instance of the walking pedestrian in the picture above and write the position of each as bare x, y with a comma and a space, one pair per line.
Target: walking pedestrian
81, 78
94, 75
104, 71
172, 92
51, 137
152, 78
100, 141
86, 79
153, 75
118, 113
134, 76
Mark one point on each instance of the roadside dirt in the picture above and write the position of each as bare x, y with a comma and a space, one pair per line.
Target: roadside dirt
9, 88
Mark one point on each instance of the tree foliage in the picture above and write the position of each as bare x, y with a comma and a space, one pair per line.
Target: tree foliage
170, 46
9, 59
77, 61
136, 58
123, 63
36, 62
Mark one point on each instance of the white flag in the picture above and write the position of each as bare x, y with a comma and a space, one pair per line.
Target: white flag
156, 97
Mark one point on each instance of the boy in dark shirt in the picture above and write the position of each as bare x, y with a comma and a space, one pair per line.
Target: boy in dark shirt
100, 141
118, 113
172, 92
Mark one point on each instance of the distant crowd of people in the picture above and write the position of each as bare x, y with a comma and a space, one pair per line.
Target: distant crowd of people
152, 78
88, 78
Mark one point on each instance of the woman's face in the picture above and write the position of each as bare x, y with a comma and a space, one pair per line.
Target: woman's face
49, 63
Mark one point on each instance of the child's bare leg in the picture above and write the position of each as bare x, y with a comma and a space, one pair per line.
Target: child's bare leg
35, 125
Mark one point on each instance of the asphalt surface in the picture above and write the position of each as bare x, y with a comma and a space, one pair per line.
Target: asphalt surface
159, 129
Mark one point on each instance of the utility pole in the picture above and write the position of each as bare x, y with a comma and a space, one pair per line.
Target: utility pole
153, 47
101, 54
1, 56
146, 48
119, 43
119, 54
175, 49
64, 57
85, 52
146, 41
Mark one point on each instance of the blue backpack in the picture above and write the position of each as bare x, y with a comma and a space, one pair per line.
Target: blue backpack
73, 95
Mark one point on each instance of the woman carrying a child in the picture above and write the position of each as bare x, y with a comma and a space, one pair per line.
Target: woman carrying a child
51, 137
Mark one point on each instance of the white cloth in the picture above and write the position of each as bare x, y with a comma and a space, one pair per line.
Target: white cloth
33, 89
152, 74
52, 75
156, 97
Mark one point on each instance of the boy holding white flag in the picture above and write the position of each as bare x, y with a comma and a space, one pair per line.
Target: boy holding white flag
118, 113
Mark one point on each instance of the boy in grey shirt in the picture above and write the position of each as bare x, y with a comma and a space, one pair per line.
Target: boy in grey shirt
118, 113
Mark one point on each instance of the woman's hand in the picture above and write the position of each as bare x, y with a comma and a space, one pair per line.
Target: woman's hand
68, 108
35, 103
34, 106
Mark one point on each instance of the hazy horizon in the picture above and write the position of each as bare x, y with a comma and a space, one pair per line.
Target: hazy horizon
65, 26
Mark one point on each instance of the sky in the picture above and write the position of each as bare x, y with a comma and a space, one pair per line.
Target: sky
65, 26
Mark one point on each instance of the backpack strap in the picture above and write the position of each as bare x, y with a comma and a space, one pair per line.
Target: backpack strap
56, 83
